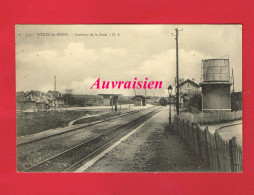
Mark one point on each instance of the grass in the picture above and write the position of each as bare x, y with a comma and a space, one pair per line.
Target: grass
30, 123
96, 118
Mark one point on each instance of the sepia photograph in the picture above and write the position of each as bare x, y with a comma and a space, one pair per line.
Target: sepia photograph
129, 98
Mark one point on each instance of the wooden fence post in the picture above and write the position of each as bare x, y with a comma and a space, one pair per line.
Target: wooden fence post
188, 132
234, 160
192, 138
207, 149
198, 138
220, 155
216, 137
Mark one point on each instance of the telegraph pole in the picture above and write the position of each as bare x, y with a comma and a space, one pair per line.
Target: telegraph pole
177, 75
177, 71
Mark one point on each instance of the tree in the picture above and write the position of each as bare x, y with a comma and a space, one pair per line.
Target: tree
196, 101
163, 101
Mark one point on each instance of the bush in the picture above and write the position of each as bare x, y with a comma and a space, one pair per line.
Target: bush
195, 103
163, 101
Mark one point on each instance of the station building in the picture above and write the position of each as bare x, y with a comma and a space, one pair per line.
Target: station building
108, 99
139, 100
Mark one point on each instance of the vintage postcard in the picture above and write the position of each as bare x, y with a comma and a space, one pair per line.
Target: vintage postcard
129, 98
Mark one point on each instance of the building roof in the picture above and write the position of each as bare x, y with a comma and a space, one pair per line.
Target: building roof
55, 94
20, 92
189, 81
139, 97
107, 96
37, 93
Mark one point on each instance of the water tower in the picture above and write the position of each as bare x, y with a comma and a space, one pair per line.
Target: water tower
215, 84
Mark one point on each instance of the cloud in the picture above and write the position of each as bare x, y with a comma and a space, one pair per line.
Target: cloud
113, 51
163, 65
74, 66
140, 51
83, 86
78, 51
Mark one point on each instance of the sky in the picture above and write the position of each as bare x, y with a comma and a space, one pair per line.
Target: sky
127, 52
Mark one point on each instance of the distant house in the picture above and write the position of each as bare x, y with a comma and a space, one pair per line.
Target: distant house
60, 102
32, 96
139, 100
188, 86
107, 99
41, 105
58, 99
28, 101
36, 100
80, 99
20, 96
27, 105
54, 94
91, 100
186, 89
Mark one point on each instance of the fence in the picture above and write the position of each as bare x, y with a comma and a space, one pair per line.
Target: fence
211, 117
219, 155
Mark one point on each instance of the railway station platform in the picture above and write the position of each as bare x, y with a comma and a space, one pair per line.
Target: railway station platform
151, 147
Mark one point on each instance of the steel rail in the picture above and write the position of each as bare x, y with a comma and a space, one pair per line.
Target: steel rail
136, 122
104, 146
77, 128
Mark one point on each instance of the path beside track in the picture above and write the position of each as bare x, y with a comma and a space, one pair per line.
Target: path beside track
152, 148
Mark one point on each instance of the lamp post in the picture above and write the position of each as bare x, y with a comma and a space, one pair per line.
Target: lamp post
169, 94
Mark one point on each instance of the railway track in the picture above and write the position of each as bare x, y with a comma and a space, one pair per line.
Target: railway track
74, 129
35, 152
71, 159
